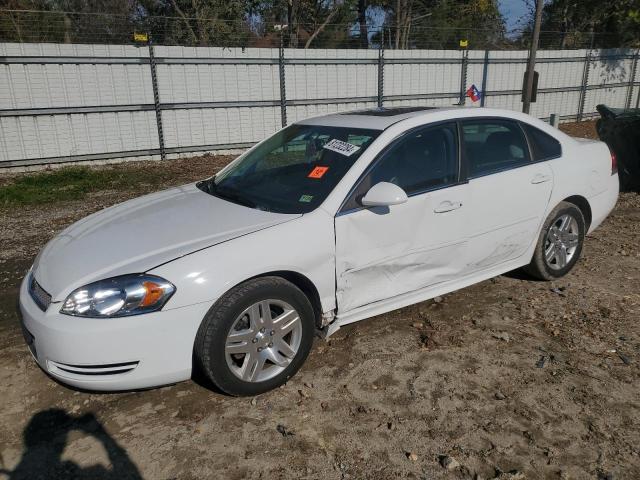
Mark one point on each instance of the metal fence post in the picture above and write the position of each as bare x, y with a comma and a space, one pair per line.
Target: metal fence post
156, 98
381, 73
485, 72
583, 87
464, 63
283, 85
632, 79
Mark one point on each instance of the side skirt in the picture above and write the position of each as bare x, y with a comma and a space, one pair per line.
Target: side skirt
417, 296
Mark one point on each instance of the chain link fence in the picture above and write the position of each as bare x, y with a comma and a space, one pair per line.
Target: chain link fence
76, 87
24, 26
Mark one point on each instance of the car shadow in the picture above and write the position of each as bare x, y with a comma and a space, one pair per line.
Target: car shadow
45, 439
520, 274
199, 378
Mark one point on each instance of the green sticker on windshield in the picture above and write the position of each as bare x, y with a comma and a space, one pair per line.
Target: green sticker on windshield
306, 198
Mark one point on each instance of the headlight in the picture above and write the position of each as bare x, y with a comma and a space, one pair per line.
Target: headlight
119, 297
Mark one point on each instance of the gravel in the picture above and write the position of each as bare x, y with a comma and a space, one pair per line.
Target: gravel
439, 376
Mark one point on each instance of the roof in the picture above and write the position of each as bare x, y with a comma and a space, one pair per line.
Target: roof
374, 118
382, 118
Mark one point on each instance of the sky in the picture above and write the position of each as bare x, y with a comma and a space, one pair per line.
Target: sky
513, 12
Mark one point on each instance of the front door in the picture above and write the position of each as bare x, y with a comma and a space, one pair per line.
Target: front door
383, 252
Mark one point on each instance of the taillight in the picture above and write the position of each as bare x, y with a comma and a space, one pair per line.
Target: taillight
614, 163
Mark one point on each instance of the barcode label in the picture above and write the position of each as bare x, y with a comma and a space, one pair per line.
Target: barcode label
339, 146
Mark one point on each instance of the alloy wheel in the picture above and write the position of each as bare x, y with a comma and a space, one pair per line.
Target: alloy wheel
263, 340
563, 238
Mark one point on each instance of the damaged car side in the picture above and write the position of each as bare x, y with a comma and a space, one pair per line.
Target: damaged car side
331, 220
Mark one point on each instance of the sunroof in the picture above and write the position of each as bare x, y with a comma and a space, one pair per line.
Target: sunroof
388, 112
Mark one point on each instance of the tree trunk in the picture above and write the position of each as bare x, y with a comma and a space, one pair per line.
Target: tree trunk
186, 22
402, 22
397, 21
321, 27
16, 25
362, 20
564, 27
292, 20
67, 29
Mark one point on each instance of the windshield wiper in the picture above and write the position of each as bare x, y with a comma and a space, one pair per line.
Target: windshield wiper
235, 198
207, 185
211, 188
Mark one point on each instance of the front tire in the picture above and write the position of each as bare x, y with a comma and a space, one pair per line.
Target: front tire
255, 337
560, 243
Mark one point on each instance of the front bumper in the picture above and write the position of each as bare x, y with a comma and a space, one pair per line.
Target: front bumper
126, 353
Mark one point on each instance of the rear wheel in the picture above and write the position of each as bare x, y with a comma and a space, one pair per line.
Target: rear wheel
560, 243
256, 336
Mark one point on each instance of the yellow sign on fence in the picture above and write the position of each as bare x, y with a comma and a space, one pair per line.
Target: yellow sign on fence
464, 43
140, 37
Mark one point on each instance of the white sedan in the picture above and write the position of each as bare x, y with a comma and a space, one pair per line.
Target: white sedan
329, 221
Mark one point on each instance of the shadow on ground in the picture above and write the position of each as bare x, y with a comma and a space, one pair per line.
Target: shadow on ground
45, 439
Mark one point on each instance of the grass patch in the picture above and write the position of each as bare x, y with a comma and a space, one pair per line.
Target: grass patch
73, 183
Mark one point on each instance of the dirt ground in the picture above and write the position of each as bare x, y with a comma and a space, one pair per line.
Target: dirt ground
510, 378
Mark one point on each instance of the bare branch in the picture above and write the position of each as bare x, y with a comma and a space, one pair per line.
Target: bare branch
186, 21
322, 26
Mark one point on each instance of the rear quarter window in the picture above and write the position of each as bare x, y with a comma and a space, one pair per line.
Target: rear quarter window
543, 145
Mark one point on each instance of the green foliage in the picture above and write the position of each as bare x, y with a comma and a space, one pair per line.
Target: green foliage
312, 22
67, 21
202, 23
73, 183
615, 23
443, 23
318, 23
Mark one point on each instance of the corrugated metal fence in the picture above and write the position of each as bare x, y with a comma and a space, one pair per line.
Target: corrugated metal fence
64, 103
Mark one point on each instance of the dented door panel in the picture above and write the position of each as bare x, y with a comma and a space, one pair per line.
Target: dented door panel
385, 252
506, 210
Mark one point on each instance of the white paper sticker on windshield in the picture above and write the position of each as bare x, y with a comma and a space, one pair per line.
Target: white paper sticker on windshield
346, 149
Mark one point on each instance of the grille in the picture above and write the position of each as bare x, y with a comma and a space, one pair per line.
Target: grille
39, 295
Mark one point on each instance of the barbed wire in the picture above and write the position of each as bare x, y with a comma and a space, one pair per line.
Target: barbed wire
35, 26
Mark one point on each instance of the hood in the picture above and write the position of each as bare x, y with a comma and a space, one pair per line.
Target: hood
143, 233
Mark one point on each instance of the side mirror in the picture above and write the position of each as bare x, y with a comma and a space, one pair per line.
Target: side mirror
384, 194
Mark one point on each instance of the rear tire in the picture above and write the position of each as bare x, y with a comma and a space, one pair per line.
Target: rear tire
255, 337
560, 243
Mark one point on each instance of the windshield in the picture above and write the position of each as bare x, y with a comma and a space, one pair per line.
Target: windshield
294, 170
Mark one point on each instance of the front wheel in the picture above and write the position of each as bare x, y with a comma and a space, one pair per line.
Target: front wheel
560, 243
256, 336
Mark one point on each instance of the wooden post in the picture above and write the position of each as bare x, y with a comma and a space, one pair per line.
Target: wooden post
532, 56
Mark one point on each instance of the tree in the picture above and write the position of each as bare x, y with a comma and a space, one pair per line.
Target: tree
67, 21
615, 23
362, 24
200, 22
311, 22
442, 23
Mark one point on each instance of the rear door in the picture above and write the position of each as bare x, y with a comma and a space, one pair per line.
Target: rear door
383, 252
508, 191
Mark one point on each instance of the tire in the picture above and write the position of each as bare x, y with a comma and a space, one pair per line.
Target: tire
245, 351
542, 266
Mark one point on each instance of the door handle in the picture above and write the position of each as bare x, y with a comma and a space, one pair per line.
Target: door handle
447, 206
540, 178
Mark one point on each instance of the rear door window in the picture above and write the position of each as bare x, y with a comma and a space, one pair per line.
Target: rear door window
493, 146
